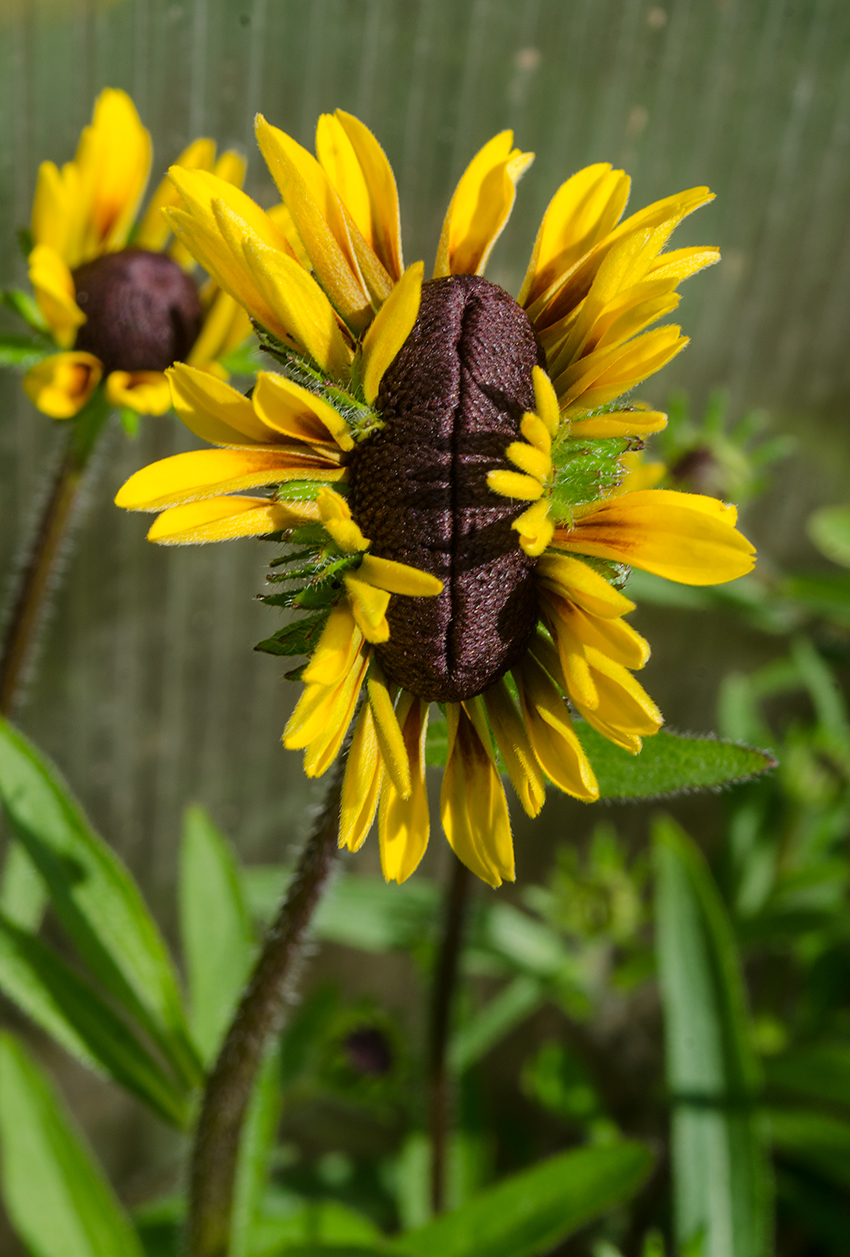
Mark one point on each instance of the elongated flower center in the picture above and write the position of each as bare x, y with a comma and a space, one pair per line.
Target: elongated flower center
142, 312
452, 401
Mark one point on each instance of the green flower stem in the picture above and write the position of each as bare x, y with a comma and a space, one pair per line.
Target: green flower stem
260, 1015
445, 981
38, 573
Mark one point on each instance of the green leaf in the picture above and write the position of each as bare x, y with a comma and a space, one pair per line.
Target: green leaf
537, 1209
26, 308
130, 421
22, 351
246, 360
822, 593
720, 1173
95, 898
22, 894
829, 530
218, 943
55, 1194
669, 763
287, 1225
818, 1141
507, 1010
818, 1072
63, 1004
297, 638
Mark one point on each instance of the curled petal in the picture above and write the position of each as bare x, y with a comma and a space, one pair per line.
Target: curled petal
213, 410
146, 392
55, 293
62, 384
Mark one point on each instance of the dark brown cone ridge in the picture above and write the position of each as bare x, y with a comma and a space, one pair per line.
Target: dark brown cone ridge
142, 312
452, 400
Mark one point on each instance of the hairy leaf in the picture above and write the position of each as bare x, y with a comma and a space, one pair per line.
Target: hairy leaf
668, 763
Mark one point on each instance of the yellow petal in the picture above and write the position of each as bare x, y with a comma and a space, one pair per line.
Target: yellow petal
577, 582
55, 293
336, 649
473, 807
403, 820
199, 190
623, 705
208, 473
619, 423
391, 328
682, 536
335, 514
55, 209
536, 433
222, 519
302, 308
535, 527
213, 410
512, 484
146, 392
534, 462
516, 750
480, 207
388, 730
323, 750
113, 159
287, 408
364, 776
370, 608
581, 213
153, 231
398, 578
363, 177
314, 205
576, 671
616, 639
680, 264
62, 384
551, 733
608, 373
546, 400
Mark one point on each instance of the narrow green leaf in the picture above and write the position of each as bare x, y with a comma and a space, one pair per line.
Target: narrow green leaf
537, 1209
507, 1010
824, 690
669, 763
818, 1141
22, 894
720, 1173
22, 351
55, 1194
289, 1224
63, 1004
26, 308
367, 913
818, 1072
218, 943
829, 530
821, 593
94, 897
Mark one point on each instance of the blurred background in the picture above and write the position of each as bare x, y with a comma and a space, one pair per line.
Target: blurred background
147, 693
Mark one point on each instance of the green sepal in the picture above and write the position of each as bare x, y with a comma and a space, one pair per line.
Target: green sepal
298, 638
586, 470
299, 490
27, 308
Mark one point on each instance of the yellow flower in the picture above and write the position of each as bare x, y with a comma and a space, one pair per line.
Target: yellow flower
448, 468
115, 292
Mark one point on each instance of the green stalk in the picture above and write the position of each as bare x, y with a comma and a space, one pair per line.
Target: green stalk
260, 1016
37, 576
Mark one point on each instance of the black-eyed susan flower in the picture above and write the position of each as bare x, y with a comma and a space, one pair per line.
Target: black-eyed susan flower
445, 464
118, 303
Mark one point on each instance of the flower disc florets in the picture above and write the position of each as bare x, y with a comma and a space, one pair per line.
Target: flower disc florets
143, 312
451, 402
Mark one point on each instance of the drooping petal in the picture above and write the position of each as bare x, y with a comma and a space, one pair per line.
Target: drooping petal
370, 608
324, 748
55, 293
213, 410
62, 384
222, 519
625, 712
209, 473
480, 207
146, 392
473, 807
292, 411
390, 329
551, 732
684, 537
390, 739
403, 820
336, 649
615, 638
512, 740
364, 776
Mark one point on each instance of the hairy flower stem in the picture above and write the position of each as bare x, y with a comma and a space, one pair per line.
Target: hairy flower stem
39, 571
445, 979
260, 1015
